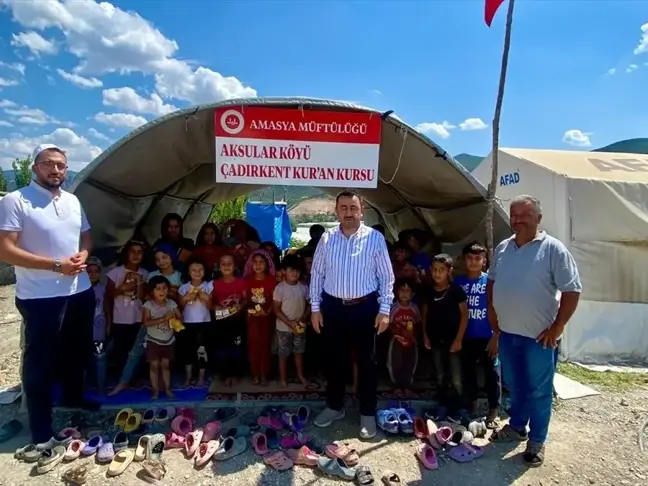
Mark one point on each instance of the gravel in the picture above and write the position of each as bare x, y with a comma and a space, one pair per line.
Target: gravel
593, 441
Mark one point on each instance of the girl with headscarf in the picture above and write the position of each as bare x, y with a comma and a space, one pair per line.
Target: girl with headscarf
171, 231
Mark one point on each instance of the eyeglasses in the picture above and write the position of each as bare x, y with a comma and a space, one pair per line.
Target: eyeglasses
61, 166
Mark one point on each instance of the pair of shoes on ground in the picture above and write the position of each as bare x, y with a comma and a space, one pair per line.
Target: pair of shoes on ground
395, 420
328, 416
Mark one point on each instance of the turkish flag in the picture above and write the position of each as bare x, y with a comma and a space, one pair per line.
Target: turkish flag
490, 10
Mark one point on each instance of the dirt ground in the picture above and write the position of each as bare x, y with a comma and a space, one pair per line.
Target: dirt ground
593, 441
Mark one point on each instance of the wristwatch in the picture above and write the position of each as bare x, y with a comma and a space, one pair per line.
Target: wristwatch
57, 265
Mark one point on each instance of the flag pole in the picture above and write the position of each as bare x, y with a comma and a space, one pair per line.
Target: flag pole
492, 187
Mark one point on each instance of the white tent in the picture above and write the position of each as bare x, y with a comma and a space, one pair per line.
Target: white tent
597, 204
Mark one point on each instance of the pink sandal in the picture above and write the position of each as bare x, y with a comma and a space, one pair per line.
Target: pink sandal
278, 460
303, 456
187, 412
205, 452
260, 443
341, 451
211, 431
174, 441
427, 456
192, 441
293, 441
270, 422
443, 435
181, 425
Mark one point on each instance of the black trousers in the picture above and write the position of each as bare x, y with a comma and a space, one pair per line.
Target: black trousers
474, 356
188, 341
58, 335
350, 328
227, 346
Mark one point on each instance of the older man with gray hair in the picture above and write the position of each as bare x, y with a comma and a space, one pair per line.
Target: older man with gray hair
529, 271
45, 235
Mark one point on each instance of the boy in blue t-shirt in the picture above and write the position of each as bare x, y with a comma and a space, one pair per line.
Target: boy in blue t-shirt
479, 345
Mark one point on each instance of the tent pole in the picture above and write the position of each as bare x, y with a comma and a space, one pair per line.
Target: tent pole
492, 187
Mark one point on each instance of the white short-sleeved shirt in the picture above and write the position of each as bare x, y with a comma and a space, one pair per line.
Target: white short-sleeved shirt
196, 311
48, 226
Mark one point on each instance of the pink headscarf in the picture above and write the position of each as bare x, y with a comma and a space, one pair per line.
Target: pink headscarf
248, 271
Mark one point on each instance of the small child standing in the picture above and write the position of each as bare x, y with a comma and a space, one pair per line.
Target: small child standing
291, 309
260, 278
404, 322
99, 329
479, 348
196, 304
160, 337
445, 318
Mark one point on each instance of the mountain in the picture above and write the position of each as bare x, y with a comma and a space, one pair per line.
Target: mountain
291, 194
470, 162
632, 146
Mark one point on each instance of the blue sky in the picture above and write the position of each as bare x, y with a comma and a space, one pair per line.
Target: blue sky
82, 74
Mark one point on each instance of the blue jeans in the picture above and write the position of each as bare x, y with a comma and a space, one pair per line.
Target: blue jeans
134, 357
528, 369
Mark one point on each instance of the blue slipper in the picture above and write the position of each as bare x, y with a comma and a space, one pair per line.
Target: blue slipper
387, 421
405, 422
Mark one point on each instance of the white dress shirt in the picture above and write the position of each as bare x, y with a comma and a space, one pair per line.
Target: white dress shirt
350, 268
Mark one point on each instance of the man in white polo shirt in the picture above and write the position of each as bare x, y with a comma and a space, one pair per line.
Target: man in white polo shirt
45, 235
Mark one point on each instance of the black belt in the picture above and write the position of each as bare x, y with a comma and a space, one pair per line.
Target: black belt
357, 300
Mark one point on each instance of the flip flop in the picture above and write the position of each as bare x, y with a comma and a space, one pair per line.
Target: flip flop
155, 447
192, 442
75, 475
279, 461
211, 431
363, 476
405, 422
341, 451
106, 453
387, 421
174, 441
93, 444
140, 450
181, 425
229, 448
205, 452
133, 422
427, 456
74, 450
122, 417
420, 428
120, 463
390, 478
303, 456
260, 443
149, 415
336, 468
28, 453
154, 471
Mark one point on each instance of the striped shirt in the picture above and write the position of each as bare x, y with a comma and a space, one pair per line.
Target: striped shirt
350, 268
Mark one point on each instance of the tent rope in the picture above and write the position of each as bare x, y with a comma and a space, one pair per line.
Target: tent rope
403, 132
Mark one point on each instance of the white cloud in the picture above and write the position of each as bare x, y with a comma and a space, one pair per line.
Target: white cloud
6, 83
34, 42
108, 39
80, 81
377, 92
577, 138
121, 120
7, 104
30, 116
128, 99
98, 135
643, 42
18, 67
441, 130
631, 68
4, 123
80, 151
470, 124
611, 71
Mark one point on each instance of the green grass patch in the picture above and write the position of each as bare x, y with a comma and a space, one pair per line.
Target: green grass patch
604, 380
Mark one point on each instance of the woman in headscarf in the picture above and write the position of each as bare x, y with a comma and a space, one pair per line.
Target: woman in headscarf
171, 231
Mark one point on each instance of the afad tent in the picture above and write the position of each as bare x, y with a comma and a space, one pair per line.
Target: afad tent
597, 204
168, 165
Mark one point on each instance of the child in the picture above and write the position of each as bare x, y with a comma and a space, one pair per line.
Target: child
241, 254
291, 309
307, 259
400, 261
260, 279
166, 262
404, 322
125, 292
445, 318
415, 240
196, 304
209, 248
479, 348
227, 336
99, 328
160, 337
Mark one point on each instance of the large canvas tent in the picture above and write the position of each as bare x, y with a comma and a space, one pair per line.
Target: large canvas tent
597, 204
168, 166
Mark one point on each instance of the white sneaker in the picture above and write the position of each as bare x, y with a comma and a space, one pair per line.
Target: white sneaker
367, 427
327, 416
